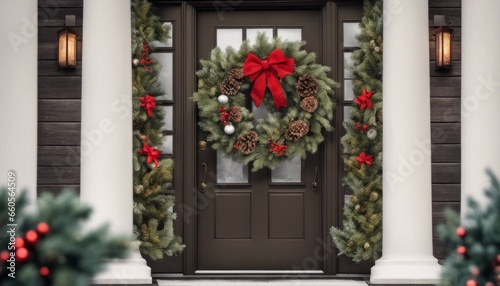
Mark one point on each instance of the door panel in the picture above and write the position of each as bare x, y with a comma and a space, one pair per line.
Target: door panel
265, 220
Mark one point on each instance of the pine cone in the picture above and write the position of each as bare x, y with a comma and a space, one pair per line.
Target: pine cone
138, 124
296, 130
247, 142
234, 114
230, 86
237, 74
307, 85
309, 104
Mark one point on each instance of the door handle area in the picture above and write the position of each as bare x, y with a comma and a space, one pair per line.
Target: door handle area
203, 185
314, 183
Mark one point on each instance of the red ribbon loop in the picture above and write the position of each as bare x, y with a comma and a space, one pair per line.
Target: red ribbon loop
266, 73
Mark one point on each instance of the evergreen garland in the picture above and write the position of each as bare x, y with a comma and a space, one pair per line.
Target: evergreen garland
153, 201
286, 133
361, 236
474, 247
50, 247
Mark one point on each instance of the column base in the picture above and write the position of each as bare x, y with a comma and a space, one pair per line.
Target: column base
423, 270
131, 270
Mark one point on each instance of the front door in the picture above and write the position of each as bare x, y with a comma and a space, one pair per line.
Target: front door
265, 220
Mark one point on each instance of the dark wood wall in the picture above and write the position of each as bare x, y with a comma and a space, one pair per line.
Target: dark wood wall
59, 108
445, 121
59, 100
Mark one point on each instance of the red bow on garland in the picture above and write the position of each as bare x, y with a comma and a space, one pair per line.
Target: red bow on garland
364, 159
266, 73
152, 153
364, 100
148, 103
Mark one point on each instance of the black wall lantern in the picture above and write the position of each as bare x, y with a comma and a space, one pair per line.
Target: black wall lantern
444, 36
67, 44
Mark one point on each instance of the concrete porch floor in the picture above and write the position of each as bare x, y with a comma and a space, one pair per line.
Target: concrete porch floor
316, 282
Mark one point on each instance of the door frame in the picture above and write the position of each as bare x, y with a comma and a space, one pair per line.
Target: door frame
331, 194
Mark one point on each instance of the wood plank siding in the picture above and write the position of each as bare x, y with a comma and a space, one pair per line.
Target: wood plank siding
445, 121
59, 100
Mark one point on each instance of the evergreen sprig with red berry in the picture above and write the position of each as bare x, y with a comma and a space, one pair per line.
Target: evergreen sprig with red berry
48, 247
473, 242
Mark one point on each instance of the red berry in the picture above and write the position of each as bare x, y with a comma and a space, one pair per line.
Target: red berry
19, 242
43, 228
474, 271
461, 250
461, 232
22, 254
498, 259
31, 236
471, 283
489, 284
44, 271
4, 255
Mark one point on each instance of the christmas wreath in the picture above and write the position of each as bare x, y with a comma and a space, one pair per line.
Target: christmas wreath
286, 80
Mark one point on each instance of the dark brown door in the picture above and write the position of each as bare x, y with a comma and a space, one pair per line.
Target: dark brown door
265, 220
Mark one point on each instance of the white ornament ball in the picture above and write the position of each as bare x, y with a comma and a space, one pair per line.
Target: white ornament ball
371, 134
229, 129
135, 62
223, 99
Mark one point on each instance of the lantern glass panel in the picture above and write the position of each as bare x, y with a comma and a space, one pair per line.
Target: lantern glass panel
444, 36
71, 49
67, 48
62, 48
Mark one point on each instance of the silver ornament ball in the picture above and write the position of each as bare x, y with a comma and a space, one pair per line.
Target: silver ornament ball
229, 129
371, 134
223, 99
135, 62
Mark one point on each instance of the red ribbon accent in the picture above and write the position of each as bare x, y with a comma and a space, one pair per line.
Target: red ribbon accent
148, 103
364, 100
364, 159
151, 152
266, 73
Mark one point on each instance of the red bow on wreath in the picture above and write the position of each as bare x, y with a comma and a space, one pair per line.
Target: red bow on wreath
266, 73
151, 152
148, 103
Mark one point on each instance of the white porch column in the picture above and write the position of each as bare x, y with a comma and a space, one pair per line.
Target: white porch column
407, 209
106, 146
480, 97
19, 98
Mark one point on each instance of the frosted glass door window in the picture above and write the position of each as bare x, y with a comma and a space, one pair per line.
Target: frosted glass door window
229, 38
168, 145
168, 123
347, 113
348, 65
166, 74
252, 34
260, 112
288, 172
230, 171
351, 31
348, 92
290, 34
